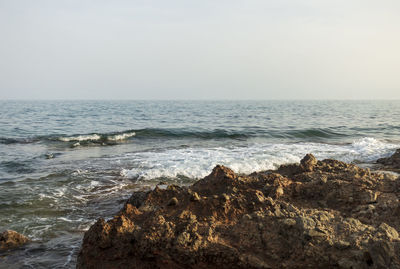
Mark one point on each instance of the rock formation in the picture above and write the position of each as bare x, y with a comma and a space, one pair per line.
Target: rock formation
316, 214
11, 239
392, 162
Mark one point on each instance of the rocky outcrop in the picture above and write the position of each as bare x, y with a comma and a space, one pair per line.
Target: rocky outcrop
392, 162
316, 214
11, 239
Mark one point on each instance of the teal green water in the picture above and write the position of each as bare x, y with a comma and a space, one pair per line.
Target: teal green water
63, 164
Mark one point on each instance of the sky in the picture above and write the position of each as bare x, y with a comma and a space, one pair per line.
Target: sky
209, 49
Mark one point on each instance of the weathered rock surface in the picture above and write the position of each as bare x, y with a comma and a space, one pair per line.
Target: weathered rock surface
11, 239
316, 214
392, 162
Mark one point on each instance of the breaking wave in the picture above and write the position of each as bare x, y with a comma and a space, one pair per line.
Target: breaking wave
197, 163
98, 137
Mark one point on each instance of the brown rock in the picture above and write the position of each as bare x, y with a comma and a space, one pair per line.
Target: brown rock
308, 163
392, 162
316, 214
11, 239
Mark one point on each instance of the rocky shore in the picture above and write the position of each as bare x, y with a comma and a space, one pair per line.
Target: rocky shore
316, 214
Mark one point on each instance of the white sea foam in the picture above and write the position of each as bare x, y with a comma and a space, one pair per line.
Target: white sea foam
93, 137
120, 137
70, 220
371, 149
198, 162
96, 137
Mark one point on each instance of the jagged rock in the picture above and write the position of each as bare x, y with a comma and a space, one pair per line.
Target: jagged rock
308, 163
316, 214
11, 239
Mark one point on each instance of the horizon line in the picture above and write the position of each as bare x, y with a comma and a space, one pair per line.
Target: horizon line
199, 99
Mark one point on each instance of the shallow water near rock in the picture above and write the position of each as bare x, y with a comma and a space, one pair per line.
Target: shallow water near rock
64, 164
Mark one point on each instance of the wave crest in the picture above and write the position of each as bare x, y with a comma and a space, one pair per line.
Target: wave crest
79, 138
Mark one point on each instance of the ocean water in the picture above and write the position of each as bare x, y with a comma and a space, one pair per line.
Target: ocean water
63, 164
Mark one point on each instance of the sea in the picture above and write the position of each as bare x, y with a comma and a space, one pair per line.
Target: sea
64, 164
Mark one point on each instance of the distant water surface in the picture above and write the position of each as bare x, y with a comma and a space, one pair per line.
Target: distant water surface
63, 164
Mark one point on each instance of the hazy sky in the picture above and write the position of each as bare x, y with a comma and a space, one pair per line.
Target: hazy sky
209, 49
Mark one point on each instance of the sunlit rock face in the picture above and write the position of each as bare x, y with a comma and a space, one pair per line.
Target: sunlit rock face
316, 214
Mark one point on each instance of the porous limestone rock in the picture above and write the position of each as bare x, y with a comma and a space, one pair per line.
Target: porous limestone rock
316, 214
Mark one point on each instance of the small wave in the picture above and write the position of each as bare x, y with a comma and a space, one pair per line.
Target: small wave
21, 167
9, 141
103, 139
97, 138
313, 133
79, 138
189, 133
239, 134
119, 137
147, 133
